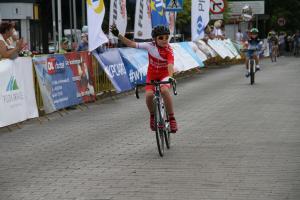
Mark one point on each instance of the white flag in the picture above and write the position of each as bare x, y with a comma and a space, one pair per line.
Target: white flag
95, 14
142, 23
200, 18
118, 15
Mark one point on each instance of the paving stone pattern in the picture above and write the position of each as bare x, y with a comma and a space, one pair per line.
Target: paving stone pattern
235, 142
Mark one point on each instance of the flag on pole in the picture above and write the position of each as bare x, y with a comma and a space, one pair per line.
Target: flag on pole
200, 18
158, 16
118, 15
142, 23
95, 14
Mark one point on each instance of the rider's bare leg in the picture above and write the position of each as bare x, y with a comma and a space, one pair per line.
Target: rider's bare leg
149, 101
167, 99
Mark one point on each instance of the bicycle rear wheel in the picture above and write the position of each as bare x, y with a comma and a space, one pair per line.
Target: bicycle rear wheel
252, 73
160, 136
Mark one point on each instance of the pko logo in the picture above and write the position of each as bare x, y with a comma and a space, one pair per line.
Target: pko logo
12, 84
200, 26
53, 66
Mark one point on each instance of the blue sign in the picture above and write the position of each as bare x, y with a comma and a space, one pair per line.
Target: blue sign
111, 62
136, 63
56, 82
174, 5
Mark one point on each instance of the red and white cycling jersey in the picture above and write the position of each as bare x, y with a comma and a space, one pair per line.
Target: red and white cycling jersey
159, 58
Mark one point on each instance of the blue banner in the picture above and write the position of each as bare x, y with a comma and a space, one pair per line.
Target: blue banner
174, 5
189, 49
111, 62
56, 84
158, 16
136, 63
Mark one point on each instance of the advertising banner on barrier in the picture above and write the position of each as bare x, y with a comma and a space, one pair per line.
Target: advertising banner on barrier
188, 48
65, 79
17, 96
136, 64
111, 62
182, 59
199, 53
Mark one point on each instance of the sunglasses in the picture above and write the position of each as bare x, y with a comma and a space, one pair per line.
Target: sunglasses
166, 37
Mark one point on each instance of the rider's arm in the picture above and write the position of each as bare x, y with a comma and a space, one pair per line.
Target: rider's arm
126, 41
171, 69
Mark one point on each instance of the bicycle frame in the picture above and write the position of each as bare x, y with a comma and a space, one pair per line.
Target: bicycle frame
162, 125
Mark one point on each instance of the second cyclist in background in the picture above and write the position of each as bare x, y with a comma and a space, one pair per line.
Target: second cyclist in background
161, 68
252, 44
273, 41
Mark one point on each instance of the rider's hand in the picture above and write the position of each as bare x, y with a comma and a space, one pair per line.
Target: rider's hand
114, 30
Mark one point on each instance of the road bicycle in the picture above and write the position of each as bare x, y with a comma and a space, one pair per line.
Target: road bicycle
161, 117
251, 64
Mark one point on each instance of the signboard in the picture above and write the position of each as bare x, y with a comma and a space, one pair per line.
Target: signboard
217, 6
174, 5
281, 21
216, 16
258, 7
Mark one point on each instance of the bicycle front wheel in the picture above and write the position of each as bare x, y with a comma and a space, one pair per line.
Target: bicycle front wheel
252, 73
167, 131
160, 136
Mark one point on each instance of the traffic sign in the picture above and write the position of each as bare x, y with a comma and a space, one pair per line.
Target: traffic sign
281, 21
217, 6
174, 5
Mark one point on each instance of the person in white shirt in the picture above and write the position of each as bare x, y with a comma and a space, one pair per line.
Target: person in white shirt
6, 49
239, 36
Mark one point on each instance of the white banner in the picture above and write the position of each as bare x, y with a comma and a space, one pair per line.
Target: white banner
17, 96
95, 14
200, 18
118, 16
182, 59
142, 23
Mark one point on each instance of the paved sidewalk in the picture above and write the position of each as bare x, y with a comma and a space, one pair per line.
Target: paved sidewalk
236, 142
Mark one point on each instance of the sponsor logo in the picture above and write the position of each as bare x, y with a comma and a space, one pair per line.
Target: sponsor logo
96, 5
200, 26
12, 84
53, 66
13, 93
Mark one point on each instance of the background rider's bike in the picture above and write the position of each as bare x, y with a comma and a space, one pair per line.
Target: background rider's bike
251, 64
274, 52
162, 125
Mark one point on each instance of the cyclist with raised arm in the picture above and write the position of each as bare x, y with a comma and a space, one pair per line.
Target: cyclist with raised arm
161, 68
252, 45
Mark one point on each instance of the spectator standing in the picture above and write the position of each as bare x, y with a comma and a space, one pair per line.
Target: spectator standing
239, 36
282, 42
7, 50
217, 32
64, 45
83, 45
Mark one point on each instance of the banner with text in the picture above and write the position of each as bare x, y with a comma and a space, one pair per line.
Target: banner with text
136, 64
17, 96
65, 79
111, 62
